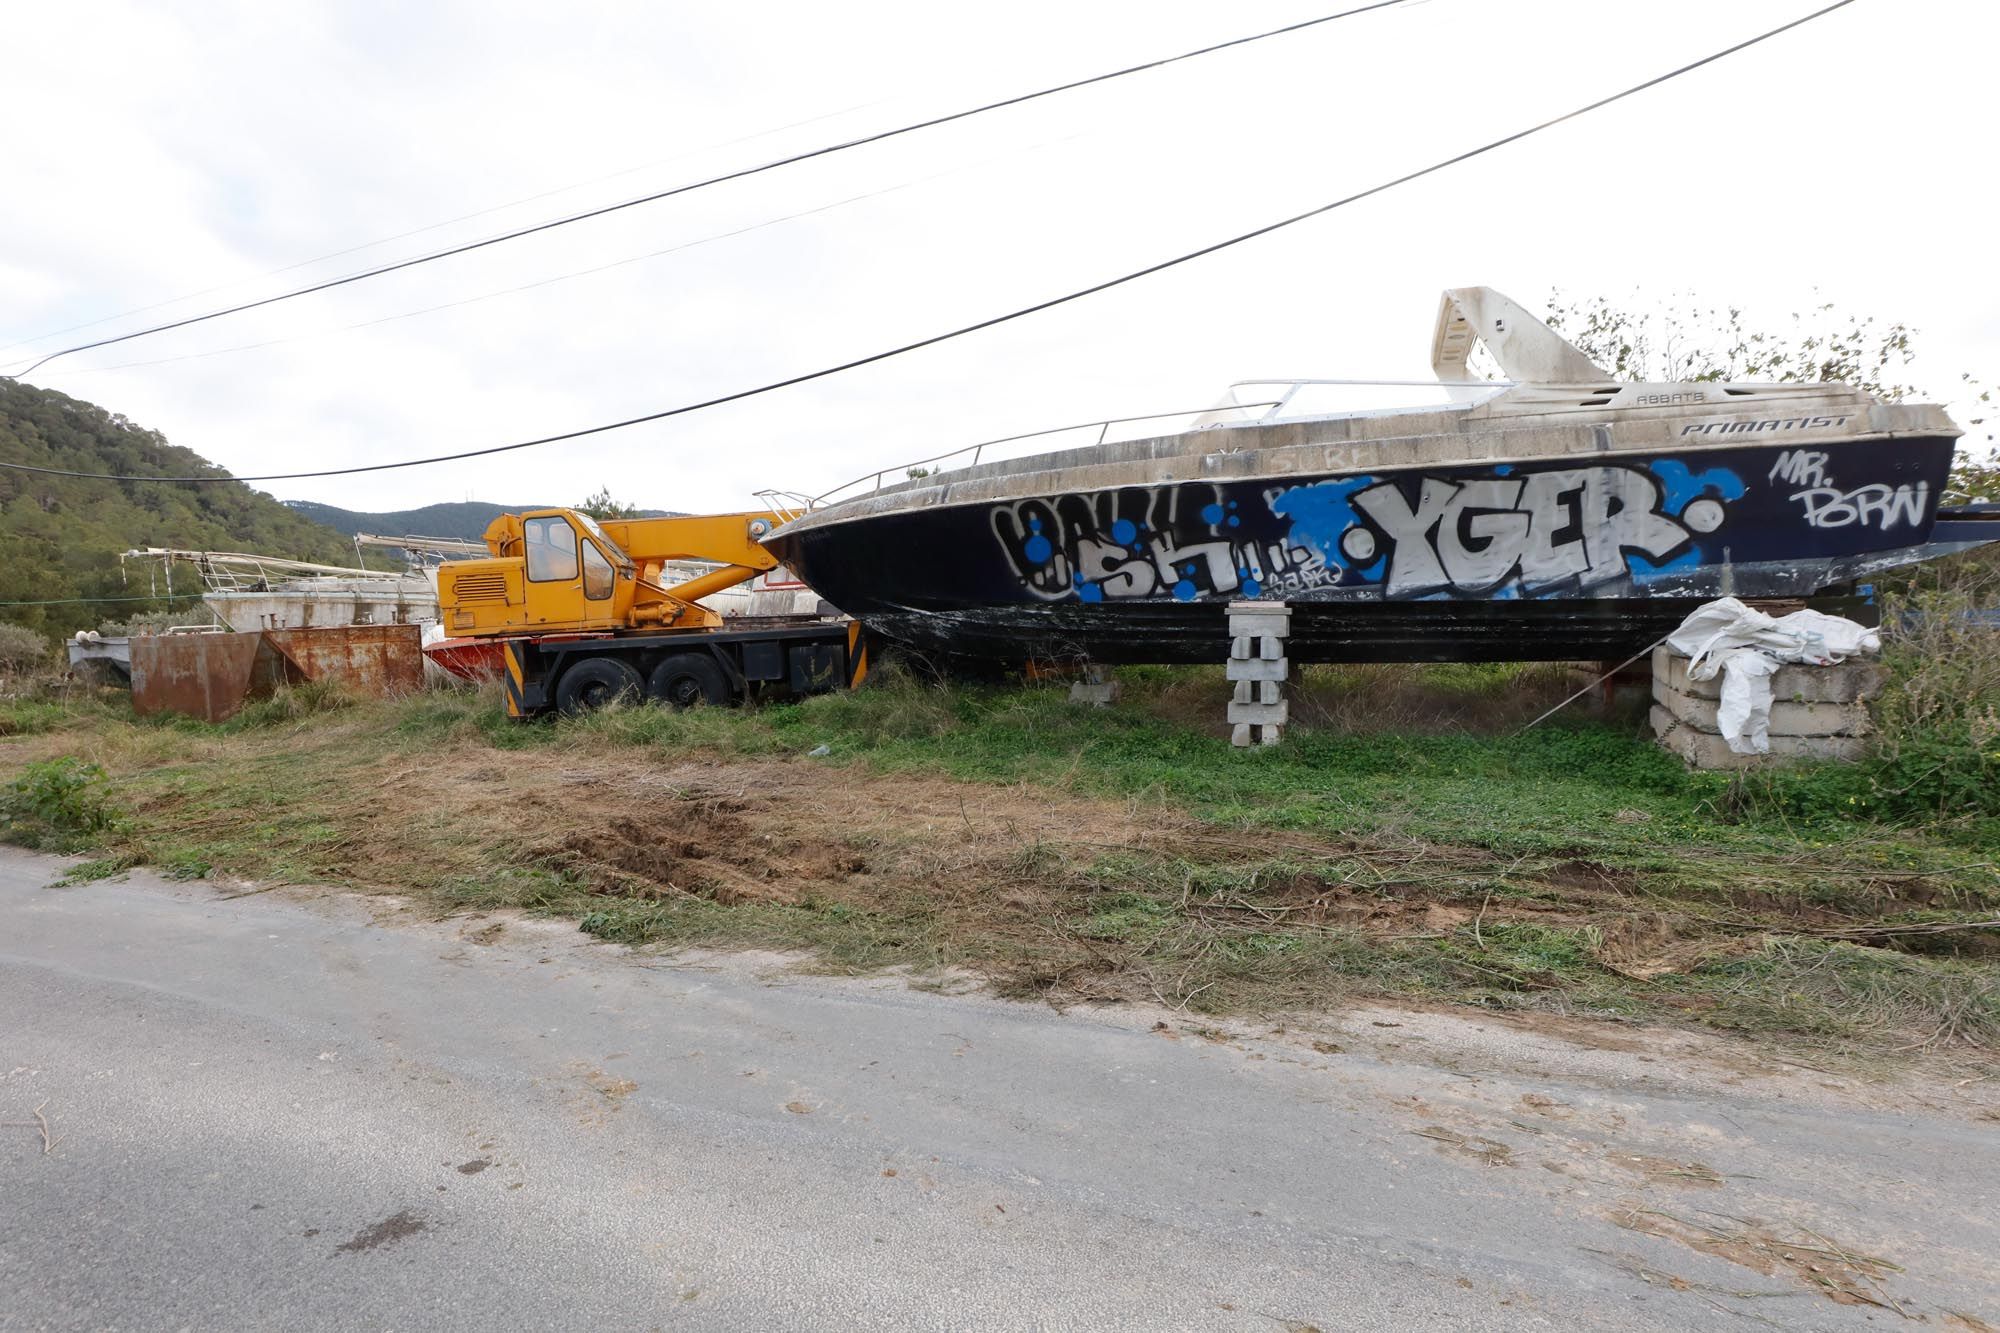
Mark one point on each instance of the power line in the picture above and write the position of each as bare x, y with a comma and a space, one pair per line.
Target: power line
433, 226
1053, 302
86, 601
714, 180
574, 273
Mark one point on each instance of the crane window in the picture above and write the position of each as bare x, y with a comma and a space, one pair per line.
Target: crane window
551, 544
596, 573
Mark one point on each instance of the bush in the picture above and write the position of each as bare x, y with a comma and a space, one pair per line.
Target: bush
23, 650
59, 804
1939, 721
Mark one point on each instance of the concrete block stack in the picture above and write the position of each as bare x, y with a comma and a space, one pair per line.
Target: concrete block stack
1817, 712
1257, 669
1098, 688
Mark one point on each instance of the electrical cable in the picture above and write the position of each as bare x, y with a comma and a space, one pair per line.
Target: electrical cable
713, 180
1024, 311
84, 601
574, 273
447, 222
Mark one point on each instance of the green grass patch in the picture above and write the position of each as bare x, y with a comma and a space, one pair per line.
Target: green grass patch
1466, 862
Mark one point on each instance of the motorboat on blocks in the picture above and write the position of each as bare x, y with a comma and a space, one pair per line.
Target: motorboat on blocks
1552, 515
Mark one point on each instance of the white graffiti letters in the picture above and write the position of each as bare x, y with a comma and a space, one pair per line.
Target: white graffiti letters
1414, 564
1799, 467
1552, 526
1878, 505
1115, 569
1481, 535
1543, 558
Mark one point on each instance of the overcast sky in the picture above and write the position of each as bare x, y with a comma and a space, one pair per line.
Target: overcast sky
155, 151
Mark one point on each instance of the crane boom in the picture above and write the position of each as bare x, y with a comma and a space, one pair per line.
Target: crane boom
557, 570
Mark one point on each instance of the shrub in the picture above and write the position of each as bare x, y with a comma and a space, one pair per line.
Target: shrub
59, 803
23, 650
1939, 720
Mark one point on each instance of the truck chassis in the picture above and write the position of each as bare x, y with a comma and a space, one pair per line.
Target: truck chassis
573, 673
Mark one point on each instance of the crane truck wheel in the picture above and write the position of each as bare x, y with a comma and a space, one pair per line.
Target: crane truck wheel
686, 679
596, 682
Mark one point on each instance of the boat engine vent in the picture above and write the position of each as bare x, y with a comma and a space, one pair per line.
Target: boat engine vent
481, 588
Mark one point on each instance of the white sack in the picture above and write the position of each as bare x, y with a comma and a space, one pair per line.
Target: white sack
1747, 647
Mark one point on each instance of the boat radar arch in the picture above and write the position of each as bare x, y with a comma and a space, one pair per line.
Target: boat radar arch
1529, 351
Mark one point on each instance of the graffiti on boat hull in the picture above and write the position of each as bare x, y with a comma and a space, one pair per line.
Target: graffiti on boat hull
1507, 533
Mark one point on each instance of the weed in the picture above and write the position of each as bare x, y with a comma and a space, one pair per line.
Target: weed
104, 867
184, 863
1843, 995
29, 717
1098, 855
59, 804
292, 703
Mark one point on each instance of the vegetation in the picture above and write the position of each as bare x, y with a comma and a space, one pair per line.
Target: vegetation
59, 804
60, 537
1131, 853
1703, 344
600, 505
465, 520
22, 651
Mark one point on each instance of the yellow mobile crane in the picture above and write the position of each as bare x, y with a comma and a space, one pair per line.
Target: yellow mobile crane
581, 612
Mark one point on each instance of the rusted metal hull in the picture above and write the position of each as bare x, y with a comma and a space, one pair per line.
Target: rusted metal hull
382, 661
211, 676
469, 659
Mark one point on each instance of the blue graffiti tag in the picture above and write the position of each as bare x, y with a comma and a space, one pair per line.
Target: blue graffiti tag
1683, 484
1320, 514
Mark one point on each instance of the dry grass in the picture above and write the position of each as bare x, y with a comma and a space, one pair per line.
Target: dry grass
653, 828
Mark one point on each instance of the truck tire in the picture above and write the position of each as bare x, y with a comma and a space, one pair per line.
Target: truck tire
595, 682
686, 679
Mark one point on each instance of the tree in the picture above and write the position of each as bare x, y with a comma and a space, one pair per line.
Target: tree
602, 506
1687, 342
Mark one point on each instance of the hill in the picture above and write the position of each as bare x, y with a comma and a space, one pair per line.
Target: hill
60, 537
466, 519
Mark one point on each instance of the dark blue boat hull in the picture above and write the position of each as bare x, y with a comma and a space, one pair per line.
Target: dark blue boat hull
1590, 557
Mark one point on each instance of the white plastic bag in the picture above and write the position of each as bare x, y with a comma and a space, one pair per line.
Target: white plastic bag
1747, 647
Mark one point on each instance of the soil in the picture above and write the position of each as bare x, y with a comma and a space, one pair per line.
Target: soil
1000, 874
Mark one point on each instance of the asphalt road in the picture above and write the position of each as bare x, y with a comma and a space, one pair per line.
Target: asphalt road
280, 1110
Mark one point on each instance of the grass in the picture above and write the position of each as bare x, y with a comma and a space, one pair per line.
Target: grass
1106, 855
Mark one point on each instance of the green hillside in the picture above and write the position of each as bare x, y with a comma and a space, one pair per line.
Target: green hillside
60, 537
466, 519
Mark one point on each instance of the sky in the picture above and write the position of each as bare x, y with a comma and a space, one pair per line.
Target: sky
188, 156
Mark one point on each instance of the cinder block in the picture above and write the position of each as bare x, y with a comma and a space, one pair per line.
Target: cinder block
1245, 734
1259, 691
1787, 718
1096, 693
1258, 668
1850, 682
1274, 618
1702, 749
1260, 712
